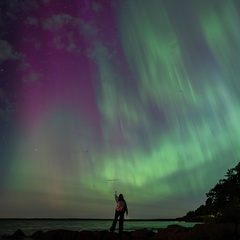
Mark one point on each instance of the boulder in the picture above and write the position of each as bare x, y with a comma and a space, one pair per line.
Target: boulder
19, 234
85, 234
142, 234
37, 235
217, 231
173, 232
55, 234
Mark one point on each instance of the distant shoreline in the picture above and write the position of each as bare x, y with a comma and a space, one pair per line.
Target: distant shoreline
94, 219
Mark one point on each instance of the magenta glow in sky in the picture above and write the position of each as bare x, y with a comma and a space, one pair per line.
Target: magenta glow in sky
136, 96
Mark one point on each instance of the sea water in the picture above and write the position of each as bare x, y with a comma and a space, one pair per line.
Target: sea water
29, 226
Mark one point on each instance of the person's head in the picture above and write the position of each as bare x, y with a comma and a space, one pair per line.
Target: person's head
120, 197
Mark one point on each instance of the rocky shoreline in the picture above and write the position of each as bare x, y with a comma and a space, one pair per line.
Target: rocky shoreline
216, 231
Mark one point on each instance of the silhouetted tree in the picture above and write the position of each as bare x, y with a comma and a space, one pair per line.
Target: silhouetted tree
223, 201
201, 211
191, 214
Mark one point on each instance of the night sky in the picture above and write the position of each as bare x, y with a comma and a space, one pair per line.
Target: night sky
138, 96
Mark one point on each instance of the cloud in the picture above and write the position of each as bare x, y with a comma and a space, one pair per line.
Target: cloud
7, 52
7, 107
67, 30
32, 21
56, 22
11, 8
32, 77
97, 7
28, 5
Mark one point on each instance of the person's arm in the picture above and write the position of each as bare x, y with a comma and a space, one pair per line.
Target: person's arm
126, 208
116, 197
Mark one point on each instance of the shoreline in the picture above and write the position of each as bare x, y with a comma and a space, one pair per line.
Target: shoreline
95, 219
175, 231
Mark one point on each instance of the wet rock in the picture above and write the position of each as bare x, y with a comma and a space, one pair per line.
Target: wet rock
19, 234
85, 234
216, 231
56, 234
142, 234
37, 235
171, 232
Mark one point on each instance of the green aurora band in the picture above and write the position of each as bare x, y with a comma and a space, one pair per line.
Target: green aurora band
170, 128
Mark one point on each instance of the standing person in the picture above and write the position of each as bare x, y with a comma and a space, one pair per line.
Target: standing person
121, 208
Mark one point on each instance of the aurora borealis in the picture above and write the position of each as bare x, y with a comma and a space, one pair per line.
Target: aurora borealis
138, 96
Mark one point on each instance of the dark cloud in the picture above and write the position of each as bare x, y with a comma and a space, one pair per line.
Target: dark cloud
32, 77
32, 21
57, 22
97, 7
7, 52
60, 21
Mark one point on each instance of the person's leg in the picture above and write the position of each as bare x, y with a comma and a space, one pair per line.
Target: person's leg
121, 222
112, 229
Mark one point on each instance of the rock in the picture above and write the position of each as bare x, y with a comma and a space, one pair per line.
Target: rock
38, 235
214, 231
142, 234
218, 231
60, 235
74, 235
85, 234
173, 232
19, 233
161, 234
106, 235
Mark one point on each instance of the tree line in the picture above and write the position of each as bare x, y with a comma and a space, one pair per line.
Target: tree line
223, 200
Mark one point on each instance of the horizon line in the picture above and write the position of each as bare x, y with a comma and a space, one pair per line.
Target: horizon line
89, 219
